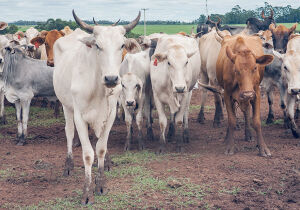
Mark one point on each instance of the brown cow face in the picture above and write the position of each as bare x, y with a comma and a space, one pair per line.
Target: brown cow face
280, 36
48, 39
246, 67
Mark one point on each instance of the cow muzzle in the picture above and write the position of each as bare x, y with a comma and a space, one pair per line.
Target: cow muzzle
247, 95
130, 103
295, 91
111, 81
30, 48
180, 89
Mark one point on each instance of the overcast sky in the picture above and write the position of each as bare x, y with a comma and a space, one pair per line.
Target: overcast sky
183, 10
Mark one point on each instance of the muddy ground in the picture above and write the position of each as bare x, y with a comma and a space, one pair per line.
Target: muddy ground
200, 177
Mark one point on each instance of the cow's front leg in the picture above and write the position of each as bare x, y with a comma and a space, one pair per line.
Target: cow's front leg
20, 137
2, 114
69, 129
162, 124
87, 155
229, 139
147, 113
248, 135
128, 120
290, 115
219, 111
270, 118
171, 131
263, 149
139, 122
203, 80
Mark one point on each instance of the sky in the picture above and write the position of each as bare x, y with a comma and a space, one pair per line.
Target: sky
182, 10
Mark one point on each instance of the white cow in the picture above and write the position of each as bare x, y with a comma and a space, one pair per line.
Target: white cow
291, 73
136, 94
175, 68
86, 81
209, 49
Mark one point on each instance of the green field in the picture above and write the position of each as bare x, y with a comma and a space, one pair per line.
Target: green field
169, 29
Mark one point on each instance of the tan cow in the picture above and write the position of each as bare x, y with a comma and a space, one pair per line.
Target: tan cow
240, 69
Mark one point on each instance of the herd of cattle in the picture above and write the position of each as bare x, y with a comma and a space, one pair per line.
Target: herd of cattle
95, 71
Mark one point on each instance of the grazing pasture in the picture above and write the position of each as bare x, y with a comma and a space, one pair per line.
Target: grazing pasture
200, 177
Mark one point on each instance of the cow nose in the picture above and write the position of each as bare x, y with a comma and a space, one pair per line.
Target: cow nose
0, 60
179, 89
111, 80
280, 51
129, 103
246, 95
50, 63
30, 47
295, 91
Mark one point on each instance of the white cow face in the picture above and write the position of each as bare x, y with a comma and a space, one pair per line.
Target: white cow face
29, 35
106, 45
291, 70
131, 89
176, 60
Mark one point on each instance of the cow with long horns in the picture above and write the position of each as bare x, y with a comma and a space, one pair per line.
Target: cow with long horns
87, 82
255, 25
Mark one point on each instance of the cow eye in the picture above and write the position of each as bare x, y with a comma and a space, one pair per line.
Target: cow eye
123, 45
169, 63
138, 86
285, 68
255, 68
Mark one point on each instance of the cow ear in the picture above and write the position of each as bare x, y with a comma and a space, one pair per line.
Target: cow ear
88, 41
230, 54
265, 59
293, 28
272, 27
62, 33
278, 55
3, 25
132, 46
190, 54
159, 56
39, 40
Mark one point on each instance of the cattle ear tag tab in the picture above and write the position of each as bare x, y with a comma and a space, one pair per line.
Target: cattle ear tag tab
155, 62
19, 37
36, 44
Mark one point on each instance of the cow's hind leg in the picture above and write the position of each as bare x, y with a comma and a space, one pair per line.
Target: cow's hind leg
69, 129
204, 80
25, 107
139, 122
270, 118
147, 113
290, 116
219, 111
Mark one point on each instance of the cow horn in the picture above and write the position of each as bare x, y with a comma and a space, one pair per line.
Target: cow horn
116, 23
95, 22
272, 13
263, 14
82, 24
219, 20
218, 32
131, 25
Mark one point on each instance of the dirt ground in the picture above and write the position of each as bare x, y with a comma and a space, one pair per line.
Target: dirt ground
199, 177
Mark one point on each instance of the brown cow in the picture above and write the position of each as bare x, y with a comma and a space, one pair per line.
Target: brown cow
281, 36
48, 38
240, 69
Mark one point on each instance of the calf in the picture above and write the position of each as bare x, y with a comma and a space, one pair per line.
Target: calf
136, 94
25, 78
291, 72
240, 69
175, 68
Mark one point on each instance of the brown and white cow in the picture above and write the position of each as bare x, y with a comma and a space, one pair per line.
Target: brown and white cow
240, 69
48, 38
280, 35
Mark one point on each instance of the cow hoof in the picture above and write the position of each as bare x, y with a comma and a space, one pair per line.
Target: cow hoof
270, 119
217, 124
295, 133
265, 152
229, 151
87, 198
201, 119
161, 150
150, 135
186, 136
69, 166
127, 147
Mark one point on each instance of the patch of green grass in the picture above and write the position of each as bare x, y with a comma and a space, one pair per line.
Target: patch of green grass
126, 171
233, 191
276, 122
6, 173
135, 157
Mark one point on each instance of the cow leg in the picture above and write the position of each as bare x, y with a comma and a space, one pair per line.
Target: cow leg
248, 135
270, 118
69, 129
128, 120
218, 111
171, 131
139, 122
263, 149
283, 97
2, 114
204, 80
147, 113
19, 122
186, 135
25, 107
162, 124
56, 109
297, 113
87, 155
290, 115
229, 139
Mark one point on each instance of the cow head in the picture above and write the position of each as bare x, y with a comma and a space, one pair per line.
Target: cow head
246, 67
29, 35
267, 21
176, 60
280, 35
131, 90
3, 25
290, 69
106, 44
48, 38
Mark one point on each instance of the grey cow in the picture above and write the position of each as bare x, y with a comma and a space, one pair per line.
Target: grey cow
25, 78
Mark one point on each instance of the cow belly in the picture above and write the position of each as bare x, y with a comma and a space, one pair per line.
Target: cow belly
13, 95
